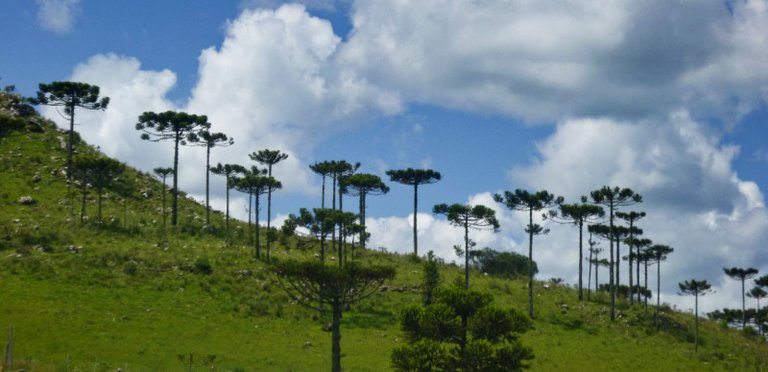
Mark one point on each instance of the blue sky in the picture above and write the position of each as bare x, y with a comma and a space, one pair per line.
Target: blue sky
666, 97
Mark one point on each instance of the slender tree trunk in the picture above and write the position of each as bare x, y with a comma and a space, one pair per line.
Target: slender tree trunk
658, 289
82, 206
589, 276
645, 272
611, 285
340, 247
415, 210
269, 213
581, 258
71, 144
256, 223
207, 185
637, 274
743, 306
227, 215
629, 260
597, 283
336, 335
466, 253
322, 197
530, 262
175, 191
333, 205
362, 221
696, 320
618, 263
164, 208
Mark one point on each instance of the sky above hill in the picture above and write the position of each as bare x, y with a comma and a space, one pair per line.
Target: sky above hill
665, 97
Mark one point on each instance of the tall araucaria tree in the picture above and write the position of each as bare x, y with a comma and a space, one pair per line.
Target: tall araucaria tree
613, 198
631, 218
579, 214
341, 169
695, 288
362, 185
315, 286
757, 293
640, 246
324, 169
228, 171
163, 174
524, 201
468, 217
414, 177
70, 95
178, 127
658, 253
209, 140
741, 275
269, 158
256, 185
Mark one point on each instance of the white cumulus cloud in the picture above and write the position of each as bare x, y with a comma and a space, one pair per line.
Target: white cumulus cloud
57, 15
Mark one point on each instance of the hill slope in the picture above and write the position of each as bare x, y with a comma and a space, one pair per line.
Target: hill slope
125, 294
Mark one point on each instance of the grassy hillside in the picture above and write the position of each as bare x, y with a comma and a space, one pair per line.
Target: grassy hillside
124, 294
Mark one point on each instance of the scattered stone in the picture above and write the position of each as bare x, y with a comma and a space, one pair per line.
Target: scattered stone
384, 288
44, 248
74, 249
26, 200
307, 344
146, 193
62, 143
327, 327
36, 178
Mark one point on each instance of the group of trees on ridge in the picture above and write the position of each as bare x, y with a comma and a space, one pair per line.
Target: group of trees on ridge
187, 129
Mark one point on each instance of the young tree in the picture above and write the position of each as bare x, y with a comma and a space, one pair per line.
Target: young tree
414, 177
163, 174
593, 251
70, 95
340, 170
503, 264
178, 127
631, 218
255, 184
431, 278
658, 253
270, 158
315, 285
319, 222
524, 201
103, 173
578, 214
324, 169
468, 216
209, 140
640, 245
361, 185
613, 198
228, 171
741, 275
462, 331
695, 288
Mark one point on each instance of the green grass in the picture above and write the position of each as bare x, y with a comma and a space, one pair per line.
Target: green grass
137, 299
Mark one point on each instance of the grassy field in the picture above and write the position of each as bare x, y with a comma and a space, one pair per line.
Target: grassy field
124, 294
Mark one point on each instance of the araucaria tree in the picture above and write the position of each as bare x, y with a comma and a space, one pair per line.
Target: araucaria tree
269, 158
613, 198
209, 140
695, 288
228, 171
741, 275
524, 201
658, 253
462, 331
315, 285
361, 185
579, 214
70, 95
324, 169
179, 127
757, 293
468, 217
163, 174
256, 185
414, 177
631, 218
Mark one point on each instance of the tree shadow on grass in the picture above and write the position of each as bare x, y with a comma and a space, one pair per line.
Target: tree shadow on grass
368, 318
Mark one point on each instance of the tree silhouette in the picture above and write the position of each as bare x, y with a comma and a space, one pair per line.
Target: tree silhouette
695, 288
414, 177
315, 285
209, 140
631, 218
468, 216
269, 158
163, 174
319, 222
438, 335
324, 169
640, 245
742, 275
104, 171
658, 253
179, 127
593, 251
256, 185
70, 95
340, 170
524, 201
361, 185
579, 214
228, 171
613, 198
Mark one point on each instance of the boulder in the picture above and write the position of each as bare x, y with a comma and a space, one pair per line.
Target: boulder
26, 200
